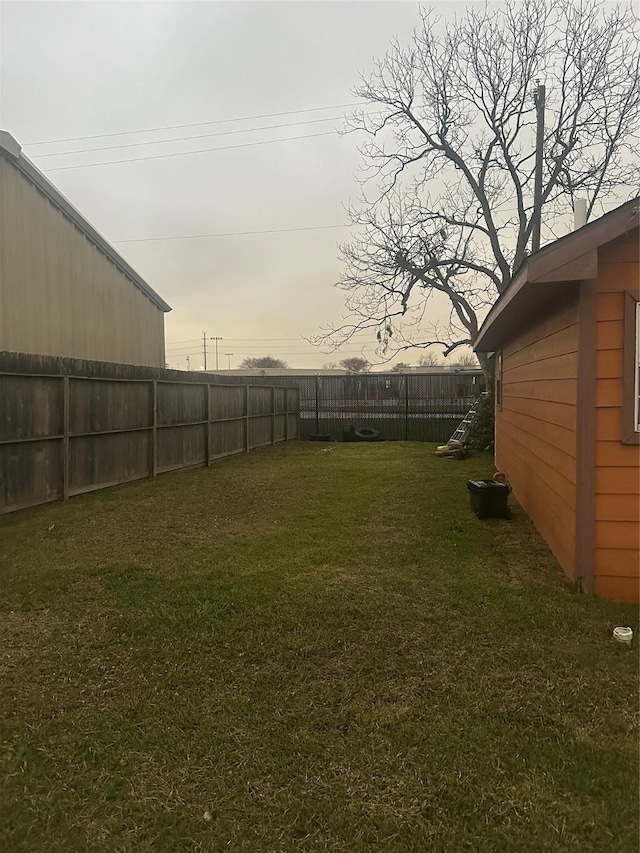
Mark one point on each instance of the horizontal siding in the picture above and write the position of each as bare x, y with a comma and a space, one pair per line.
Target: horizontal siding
617, 478
552, 391
614, 454
610, 306
609, 364
517, 453
545, 327
609, 277
617, 481
560, 342
547, 438
553, 367
551, 514
609, 334
616, 562
617, 534
617, 589
609, 393
609, 423
617, 507
560, 414
536, 427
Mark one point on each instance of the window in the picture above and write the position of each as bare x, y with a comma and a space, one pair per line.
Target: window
631, 371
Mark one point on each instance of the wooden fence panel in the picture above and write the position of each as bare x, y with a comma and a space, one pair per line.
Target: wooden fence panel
30, 474
293, 427
260, 400
260, 431
63, 435
181, 447
280, 422
104, 405
227, 402
280, 399
181, 403
226, 438
31, 407
98, 461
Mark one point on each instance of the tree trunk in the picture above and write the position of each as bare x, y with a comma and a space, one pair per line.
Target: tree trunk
487, 363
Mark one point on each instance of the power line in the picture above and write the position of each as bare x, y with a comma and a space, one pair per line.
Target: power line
229, 340
186, 153
273, 351
186, 138
197, 124
228, 234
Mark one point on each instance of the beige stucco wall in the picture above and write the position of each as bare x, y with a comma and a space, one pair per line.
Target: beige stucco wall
59, 294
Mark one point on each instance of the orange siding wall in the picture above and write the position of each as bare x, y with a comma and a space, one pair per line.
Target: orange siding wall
617, 535
536, 427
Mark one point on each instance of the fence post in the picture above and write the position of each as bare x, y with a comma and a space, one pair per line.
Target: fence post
317, 403
154, 427
246, 416
286, 413
273, 414
65, 440
207, 412
406, 407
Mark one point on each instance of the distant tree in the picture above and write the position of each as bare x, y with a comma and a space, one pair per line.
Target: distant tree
355, 364
263, 361
465, 359
429, 359
400, 366
330, 365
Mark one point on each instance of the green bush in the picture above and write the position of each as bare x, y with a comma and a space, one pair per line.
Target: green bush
482, 427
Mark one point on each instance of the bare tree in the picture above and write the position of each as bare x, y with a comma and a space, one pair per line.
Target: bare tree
450, 154
400, 367
356, 364
465, 359
429, 359
263, 361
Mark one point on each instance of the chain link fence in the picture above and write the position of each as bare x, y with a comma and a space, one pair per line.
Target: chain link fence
401, 406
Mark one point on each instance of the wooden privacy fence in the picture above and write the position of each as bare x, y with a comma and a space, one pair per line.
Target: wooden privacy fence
65, 435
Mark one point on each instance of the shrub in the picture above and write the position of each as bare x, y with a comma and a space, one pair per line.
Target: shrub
482, 427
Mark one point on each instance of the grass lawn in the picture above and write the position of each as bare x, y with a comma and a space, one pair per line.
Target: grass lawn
314, 647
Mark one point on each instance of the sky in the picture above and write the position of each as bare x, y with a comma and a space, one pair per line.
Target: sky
70, 70
229, 111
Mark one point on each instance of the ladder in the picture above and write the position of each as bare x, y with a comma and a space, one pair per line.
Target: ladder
462, 432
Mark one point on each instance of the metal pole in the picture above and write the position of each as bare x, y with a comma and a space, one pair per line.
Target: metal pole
537, 189
204, 347
216, 339
229, 354
317, 403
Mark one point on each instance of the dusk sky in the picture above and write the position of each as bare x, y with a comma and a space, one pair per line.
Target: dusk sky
176, 128
71, 70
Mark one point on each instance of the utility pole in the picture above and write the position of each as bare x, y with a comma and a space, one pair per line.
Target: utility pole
216, 340
539, 98
188, 363
229, 354
204, 348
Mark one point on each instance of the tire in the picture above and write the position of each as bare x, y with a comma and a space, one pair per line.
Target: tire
367, 434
